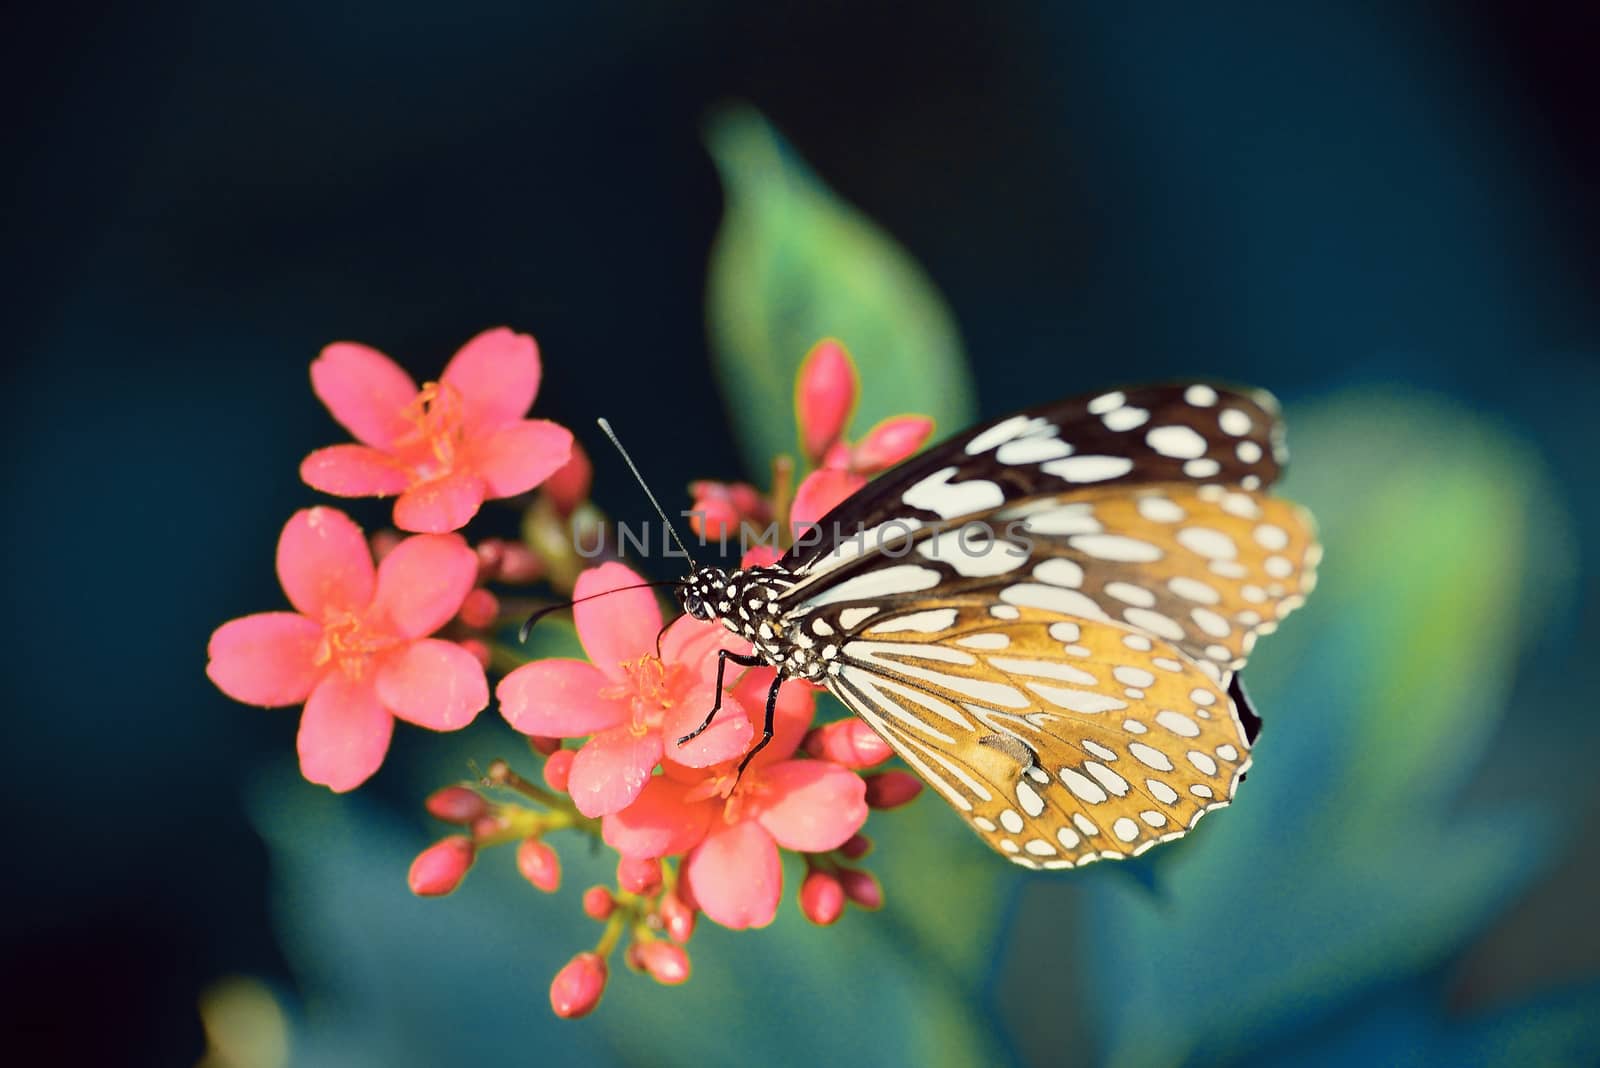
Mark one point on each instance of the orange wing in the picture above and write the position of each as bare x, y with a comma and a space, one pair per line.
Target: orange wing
1061, 741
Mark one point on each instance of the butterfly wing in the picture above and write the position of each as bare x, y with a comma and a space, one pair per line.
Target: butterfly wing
1204, 568
1192, 432
1060, 741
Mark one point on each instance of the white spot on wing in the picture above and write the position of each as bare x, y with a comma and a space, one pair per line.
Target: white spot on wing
1177, 442
937, 494
1088, 468
929, 622
1117, 547
1201, 396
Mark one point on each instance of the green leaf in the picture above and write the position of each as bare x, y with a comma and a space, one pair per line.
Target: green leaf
793, 264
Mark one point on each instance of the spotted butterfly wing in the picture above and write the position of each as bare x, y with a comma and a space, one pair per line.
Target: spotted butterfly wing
1043, 615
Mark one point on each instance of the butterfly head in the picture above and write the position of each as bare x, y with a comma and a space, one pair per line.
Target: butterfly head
703, 591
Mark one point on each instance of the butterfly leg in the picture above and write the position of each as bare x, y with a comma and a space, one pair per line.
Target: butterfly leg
723, 656
766, 726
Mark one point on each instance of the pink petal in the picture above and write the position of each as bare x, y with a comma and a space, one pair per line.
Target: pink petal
728, 737
810, 805
497, 375
660, 822
819, 493
440, 505
353, 471
611, 770
824, 395
518, 456
266, 659
422, 582
619, 627
791, 718
694, 644
324, 563
895, 439
558, 699
761, 556
735, 875
365, 391
344, 733
434, 684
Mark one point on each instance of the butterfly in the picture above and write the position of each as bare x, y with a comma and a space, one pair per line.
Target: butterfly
1045, 616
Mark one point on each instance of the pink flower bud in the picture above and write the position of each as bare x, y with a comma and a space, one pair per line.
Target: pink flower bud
478, 649
487, 826
598, 904
456, 804
677, 917
856, 846
891, 441
849, 742
891, 789
569, 486
824, 395
578, 986
861, 887
440, 868
490, 552
713, 518
558, 768
838, 458
639, 876
666, 962
821, 898
519, 564
726, 505
761, 556
480, 609
819, 493
539, 865
542, 745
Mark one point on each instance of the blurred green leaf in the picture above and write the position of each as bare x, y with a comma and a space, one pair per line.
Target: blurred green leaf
793, 264
1346, 860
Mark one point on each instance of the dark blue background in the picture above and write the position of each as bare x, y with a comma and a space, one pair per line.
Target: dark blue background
203, 195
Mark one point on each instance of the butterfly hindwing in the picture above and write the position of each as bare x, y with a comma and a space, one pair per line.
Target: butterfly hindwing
1060, 741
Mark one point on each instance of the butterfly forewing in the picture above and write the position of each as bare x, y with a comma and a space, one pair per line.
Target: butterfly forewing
1187, 433
1061, 741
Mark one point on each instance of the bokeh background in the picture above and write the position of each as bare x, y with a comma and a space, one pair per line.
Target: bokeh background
1387, 215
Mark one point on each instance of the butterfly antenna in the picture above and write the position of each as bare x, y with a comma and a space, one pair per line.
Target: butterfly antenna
646, 487
528, 624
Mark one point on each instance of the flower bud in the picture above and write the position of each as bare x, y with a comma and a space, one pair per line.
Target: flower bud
821, 898
539, 865
889, 442
824, 395
440, 868
849, 742
856, 846
861, 887
569, 486
666, 962
456, 804
518, 564
891, 789
677, 917
490, 552
577, 987
542, 745
821, 490
598, 904
558, 768
480, 609
478, 649
639, 876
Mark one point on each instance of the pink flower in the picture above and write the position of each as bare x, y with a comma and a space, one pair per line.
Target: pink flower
825, 391
356, 649
445, 448
721, 508
635, 703
731, 832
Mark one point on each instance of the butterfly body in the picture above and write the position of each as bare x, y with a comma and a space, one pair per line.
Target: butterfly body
1044, 615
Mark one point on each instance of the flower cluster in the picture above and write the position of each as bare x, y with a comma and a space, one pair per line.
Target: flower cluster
408, 626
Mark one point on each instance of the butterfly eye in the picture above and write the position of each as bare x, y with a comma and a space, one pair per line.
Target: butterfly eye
693, 605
